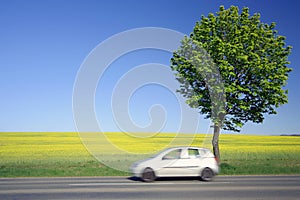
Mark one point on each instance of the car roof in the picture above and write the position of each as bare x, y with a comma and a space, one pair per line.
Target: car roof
185, 147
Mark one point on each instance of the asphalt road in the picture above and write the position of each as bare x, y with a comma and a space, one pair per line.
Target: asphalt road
222, 187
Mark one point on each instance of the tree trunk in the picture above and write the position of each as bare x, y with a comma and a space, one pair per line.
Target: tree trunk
215, 142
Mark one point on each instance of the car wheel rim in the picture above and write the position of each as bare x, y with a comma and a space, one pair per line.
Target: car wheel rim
207, 174
148, 175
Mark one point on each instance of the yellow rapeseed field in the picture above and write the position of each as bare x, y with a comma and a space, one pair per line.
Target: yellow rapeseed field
64, 154
41, 147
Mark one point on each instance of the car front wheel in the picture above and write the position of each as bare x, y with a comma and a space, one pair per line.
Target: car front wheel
207, 174
148, 175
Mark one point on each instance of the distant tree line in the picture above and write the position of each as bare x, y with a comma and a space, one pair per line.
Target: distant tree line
290, 135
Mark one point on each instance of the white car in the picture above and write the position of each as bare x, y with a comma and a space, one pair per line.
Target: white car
178, 162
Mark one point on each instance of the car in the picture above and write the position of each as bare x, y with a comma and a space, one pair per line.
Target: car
177, 162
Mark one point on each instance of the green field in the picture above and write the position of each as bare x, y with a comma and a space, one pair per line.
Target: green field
26, 154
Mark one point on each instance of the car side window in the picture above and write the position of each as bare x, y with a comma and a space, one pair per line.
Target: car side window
175, 154
193, 153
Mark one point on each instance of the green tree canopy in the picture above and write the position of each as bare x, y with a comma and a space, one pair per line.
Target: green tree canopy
251, 59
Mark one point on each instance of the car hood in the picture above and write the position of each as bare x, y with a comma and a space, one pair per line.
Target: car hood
141, 162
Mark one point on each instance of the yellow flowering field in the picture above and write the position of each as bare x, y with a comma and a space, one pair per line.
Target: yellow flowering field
41, 147
64, 154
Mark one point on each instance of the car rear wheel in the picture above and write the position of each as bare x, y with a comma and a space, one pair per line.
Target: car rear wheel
148, 175
207, 174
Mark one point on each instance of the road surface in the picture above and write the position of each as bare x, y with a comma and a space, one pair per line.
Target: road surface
222, 187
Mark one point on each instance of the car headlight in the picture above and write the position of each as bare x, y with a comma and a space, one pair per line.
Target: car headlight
134, 166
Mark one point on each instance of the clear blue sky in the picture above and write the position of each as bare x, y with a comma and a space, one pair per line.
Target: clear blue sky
44, 43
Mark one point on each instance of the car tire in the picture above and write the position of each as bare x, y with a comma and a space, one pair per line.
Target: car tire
148, 175
207, 174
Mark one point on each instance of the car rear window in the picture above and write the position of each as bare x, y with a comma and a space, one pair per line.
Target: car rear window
193, 153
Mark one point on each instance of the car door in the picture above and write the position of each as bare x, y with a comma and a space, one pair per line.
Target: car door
170, 163
180, 162
188, 164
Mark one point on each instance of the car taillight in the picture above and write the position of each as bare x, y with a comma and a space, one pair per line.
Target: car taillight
217, 160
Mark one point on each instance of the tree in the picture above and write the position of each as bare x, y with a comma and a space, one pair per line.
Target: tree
233, 68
